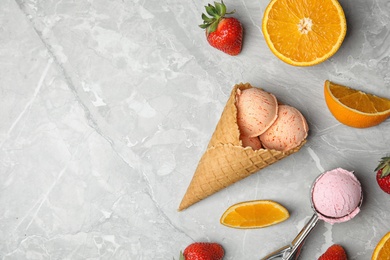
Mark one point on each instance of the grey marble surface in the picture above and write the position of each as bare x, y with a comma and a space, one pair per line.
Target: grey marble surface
107, 106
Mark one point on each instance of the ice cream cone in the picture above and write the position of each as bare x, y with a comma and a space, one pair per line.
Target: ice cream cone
225, 160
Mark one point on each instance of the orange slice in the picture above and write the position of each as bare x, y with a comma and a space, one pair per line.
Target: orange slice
382, 249
303, 32
355, 108
254, 214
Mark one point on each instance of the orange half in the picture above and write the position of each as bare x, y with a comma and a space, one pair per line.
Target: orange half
254, 214
382, 249
304, 32
355, 108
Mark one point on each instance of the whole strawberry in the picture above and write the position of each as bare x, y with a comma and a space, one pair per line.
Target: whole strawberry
334, 252
383, 174
222, 33
203, 251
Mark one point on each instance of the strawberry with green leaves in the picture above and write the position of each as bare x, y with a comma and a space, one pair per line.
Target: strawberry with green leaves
334, 252
383, 174
203, 251
223, 33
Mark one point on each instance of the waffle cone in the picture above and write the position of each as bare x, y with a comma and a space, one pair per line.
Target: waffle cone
226, 161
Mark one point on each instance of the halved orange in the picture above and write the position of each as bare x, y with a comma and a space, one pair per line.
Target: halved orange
382, 249
254, 214
304, 32
355, 108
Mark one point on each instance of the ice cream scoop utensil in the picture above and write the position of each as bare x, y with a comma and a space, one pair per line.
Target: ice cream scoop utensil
292, 251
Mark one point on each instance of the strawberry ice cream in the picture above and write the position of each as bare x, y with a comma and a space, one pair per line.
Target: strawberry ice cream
287, 132
256, 111
253, 142
336, 196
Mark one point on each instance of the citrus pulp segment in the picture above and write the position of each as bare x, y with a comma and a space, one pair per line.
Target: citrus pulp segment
355, 108
304, 32
254, 214
382, 249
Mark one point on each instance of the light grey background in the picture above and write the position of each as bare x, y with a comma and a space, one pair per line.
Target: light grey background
107, 106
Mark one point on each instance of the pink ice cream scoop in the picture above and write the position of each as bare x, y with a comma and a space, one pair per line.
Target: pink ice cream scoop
287, 132
256, 111
336, 196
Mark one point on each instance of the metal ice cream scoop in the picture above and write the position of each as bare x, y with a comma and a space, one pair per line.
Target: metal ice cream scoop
293, 250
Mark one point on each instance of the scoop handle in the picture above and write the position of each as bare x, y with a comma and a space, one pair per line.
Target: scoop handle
299, 240
292, 251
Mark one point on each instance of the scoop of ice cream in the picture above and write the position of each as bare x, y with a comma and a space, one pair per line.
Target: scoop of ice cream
287, 132
336, 195
253, 142
256, 111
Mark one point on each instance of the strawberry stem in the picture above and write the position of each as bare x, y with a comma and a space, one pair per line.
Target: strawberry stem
384, 166
216, 13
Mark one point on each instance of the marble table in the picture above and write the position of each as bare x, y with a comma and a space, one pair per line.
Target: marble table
107, 106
